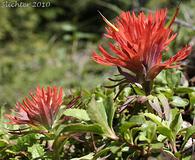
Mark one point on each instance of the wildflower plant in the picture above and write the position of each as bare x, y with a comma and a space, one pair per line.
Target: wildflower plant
150, 118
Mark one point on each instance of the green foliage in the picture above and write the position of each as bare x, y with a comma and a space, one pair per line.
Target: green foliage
36, 150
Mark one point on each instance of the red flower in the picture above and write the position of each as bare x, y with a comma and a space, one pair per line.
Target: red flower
40, 110
139, 42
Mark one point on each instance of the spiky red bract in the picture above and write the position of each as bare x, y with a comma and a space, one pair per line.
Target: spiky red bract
139, 42
39, 110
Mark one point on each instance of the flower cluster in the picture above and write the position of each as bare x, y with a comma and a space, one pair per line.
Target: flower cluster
41, 109
139, 42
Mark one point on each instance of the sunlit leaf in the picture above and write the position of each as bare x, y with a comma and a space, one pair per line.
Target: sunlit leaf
36, 150
162, 128
176, 122
77, 113
154, 118
98, 114
179, 102
78, 128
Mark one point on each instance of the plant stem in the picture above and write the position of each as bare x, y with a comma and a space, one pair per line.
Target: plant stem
147, 86
173, 145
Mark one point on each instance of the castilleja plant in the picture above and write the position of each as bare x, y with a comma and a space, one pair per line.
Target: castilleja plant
139, 42
40, 110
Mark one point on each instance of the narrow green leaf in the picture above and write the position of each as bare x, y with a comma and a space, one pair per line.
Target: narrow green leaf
184, 90
101, 152
189, 132
192, 98
77, 113
154, 118
176, 122
110, 110
76, 128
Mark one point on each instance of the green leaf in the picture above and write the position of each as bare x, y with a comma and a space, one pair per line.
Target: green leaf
110, 110
130, 129
165, 90
173, 78
189, 132
157, 145
36, 150
148, 131
86, 157
165, 131
138, 90
192, 99
101, 152
179, 102
3, 143
77, 128
97, 113
128, 125
184, 90
134, 132
189, 157
155, 119
77, 113
139, 119
162, 128
176, 122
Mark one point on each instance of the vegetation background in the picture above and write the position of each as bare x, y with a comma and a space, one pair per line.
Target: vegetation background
53, 45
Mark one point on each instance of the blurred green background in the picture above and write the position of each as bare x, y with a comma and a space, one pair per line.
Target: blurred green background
53, 45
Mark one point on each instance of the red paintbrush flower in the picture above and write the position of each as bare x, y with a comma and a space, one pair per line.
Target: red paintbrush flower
139, 42
39, 110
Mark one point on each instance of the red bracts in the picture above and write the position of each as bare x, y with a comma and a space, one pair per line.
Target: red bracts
40, 109
139, 42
